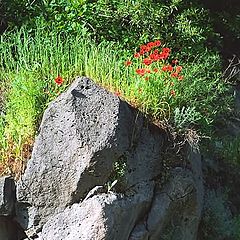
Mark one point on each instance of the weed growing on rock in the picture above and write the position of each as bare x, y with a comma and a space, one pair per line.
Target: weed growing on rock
116, 178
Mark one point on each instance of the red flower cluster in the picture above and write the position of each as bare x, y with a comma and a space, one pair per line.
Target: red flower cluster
167, 68
149, 54
176, 73
58, 80
147, 48
155, 55
147, 61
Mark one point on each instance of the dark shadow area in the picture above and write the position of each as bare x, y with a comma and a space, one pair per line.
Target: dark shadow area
226, 19
10, 229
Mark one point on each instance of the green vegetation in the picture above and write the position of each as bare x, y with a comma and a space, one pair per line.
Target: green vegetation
34, 52
218, 221
100, 39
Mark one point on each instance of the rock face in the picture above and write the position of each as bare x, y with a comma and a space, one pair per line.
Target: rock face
63, 193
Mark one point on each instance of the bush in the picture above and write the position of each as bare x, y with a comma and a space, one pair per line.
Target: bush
184, 25
217, 221
19, 12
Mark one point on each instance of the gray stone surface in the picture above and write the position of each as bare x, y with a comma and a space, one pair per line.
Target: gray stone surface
63, 193
83, 132
104, 216
7, 229
175, 212
7, 196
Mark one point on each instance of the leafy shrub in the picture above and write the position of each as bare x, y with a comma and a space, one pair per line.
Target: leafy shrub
230, 150
19, 12
183, 25
218, 222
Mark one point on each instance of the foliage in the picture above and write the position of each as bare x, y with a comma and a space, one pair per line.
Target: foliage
56, 42
230, 150
165, 87
28, 69
218, 222
116, 177
32, 60
185, 116
237, 224
232, 22
19, 12
184, 25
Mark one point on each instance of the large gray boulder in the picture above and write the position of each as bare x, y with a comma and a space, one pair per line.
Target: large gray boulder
63, 193
174, 210
83, 132
149, 212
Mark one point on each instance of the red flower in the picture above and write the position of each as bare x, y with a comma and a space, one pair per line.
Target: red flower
143, 47
59, 80
137, 55
180, 78
178, 69
175, 74
141, 71
147, 61
148, 70
151, 44
170, 68
117, 93
161, 56
172, 92
155, 51
148, 49
157, 43
164, 68
165, 55
155, 70
167, 68
175, 61
166, 50
152, 56
142, 52
146, 78
128, 63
